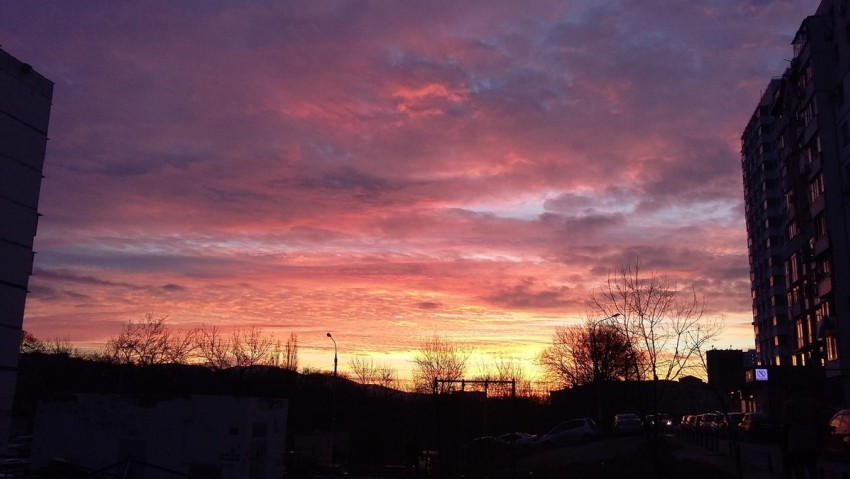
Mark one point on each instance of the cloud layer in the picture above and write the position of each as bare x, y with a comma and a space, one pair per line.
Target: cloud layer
384, 170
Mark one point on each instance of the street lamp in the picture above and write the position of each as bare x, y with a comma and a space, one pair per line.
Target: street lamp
332, 339
333, 404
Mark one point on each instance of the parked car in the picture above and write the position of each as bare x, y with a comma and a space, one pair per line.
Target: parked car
758, 427
482, 449
711, 423
838, 442
699, 422
626, 424
729, 425
665, 422
520, 440
685, 423
573, 431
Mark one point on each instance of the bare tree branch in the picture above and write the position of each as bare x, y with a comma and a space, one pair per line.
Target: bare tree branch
438, 357
150, 341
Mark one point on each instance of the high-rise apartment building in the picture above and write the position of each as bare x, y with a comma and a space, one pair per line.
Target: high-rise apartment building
795, 155
25, 98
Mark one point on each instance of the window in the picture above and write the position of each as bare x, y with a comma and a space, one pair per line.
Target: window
793, 230
805, 159
805, 76
799, 334
822, 311
831, 348
810, 330
816, 188
804, 294
824, 267
820, 226
808, 113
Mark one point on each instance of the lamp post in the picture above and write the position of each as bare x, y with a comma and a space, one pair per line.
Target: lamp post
332, 339
333, 404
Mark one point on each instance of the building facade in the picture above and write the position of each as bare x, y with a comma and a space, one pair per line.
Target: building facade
25, 98
201, 436
795, 156
725, 369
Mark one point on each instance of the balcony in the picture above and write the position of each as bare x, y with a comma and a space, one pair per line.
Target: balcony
822, 244
810, 130
818, 205
815, 165
824, 286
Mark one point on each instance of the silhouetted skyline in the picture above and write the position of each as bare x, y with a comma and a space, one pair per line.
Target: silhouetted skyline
385, 171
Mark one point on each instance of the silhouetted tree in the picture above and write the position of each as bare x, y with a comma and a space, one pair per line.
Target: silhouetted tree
438, 357
213, 348
252, 347
387, 375
366, 371
587, 353
290, 353
503, 370
243, 348
31, 344
666, 328
363, 370
150, 341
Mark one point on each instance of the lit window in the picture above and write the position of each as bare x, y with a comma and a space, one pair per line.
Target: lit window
816, 188
831, 348
792, 263
793, 230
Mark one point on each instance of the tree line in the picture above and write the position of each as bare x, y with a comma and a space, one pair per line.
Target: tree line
152, 341
638, 327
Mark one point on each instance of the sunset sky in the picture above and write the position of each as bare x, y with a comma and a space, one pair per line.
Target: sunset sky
393, 169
